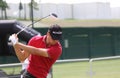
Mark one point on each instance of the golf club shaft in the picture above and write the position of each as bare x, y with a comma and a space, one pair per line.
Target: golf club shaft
36, 22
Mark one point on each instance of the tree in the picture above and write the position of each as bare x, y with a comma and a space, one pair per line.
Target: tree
20, 8
3, 7
33, 5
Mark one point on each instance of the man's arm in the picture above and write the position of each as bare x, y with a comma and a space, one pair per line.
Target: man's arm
21, 54
30, 50
23, 51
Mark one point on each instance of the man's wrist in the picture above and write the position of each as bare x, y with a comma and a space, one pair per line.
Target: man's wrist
14, 43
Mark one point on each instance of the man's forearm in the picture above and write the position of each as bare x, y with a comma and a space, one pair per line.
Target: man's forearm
33, 50
19, 53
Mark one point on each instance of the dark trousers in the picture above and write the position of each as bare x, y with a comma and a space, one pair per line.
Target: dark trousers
26, 74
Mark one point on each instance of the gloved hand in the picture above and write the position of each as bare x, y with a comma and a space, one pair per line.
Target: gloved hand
13, 38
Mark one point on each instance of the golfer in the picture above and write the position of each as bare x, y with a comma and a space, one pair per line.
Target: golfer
41, 51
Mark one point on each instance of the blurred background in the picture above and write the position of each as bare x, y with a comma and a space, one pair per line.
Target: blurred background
91, 37
68, 9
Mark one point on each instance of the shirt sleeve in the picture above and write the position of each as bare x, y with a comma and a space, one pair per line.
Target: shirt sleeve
33, 40
54, 52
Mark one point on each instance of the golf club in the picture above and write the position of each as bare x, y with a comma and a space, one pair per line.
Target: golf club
53, 14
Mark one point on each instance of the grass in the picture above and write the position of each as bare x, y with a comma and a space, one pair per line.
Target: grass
101, 69
70, 70
75, 23
11, 70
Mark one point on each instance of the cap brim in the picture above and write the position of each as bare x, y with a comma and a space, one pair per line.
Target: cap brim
56, 37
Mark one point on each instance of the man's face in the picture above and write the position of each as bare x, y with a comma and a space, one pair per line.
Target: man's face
50, 40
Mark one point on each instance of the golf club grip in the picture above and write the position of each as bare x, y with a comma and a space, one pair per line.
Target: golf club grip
20, 31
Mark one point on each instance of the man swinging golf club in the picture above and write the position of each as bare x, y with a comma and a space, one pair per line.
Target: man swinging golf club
41, 51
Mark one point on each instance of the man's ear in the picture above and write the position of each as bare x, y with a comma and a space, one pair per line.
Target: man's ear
48, 33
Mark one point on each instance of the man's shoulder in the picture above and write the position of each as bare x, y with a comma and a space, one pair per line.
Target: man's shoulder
37, 38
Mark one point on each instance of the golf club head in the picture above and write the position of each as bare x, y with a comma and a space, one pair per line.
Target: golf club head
53, 14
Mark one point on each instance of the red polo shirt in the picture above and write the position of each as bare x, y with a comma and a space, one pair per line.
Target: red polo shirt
39, 66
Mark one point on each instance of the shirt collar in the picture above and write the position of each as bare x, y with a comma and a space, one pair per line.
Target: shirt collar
44, 38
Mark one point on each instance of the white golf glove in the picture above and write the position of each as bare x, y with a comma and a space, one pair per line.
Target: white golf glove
13, 38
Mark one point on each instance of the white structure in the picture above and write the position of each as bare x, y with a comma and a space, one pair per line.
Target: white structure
115, 12
92, 11
64, 11
95, 10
